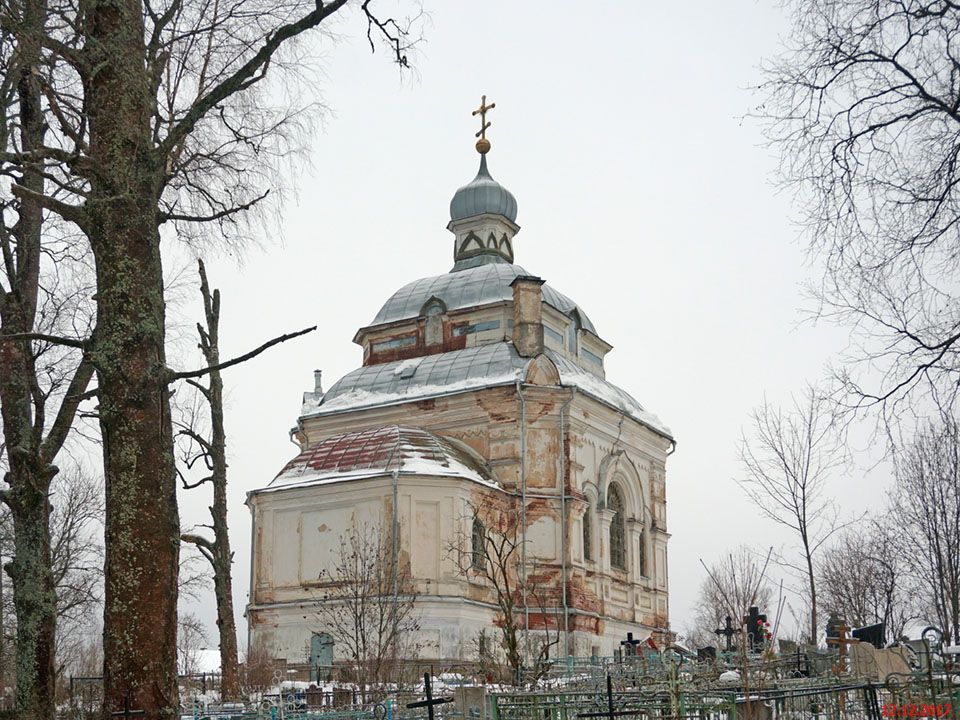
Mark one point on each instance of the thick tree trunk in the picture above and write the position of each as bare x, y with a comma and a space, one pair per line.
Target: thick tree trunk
34, 595
142, 524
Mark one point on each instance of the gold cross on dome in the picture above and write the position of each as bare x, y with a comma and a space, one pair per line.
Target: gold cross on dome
483, 145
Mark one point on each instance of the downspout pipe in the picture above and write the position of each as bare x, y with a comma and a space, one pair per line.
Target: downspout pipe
253, 582
523, 519
395, 531
564, 411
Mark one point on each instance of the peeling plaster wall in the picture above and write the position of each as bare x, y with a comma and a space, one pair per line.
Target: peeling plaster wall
295, 527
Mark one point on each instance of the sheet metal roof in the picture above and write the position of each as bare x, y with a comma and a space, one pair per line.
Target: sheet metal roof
481, 195
382, 450
464, 370
464, 288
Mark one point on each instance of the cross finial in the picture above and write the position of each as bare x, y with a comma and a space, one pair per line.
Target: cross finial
483, 145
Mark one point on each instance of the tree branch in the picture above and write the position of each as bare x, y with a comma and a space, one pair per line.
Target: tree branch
44, 337
173, 376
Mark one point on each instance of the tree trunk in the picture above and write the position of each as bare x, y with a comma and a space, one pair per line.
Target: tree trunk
34, 596
221, 557
814, 634
142, 524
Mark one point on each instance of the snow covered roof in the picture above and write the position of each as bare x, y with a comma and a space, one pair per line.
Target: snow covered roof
380, 451
473, 368
606, 392
481, 285
422, 377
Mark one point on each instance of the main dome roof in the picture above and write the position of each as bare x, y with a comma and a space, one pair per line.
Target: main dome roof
481, 285
483, 195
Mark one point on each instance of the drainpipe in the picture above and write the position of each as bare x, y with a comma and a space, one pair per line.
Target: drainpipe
253, 582
563, 521
523, 520
396, 537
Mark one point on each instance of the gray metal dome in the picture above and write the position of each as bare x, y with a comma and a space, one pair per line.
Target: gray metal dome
482, 195
481, 285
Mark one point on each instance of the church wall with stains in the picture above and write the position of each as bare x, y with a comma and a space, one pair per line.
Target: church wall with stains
483, 387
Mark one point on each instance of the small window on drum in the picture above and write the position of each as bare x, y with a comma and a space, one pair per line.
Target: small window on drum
478, 537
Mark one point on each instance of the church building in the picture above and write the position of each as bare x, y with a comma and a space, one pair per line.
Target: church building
482, 392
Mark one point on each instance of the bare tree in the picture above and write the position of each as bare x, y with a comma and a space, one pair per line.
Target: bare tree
40, 385
733, 584
210, 449
369, 605
77, 560
788, 459
161, 112
488, 549
76, 563
925, 503
191, 642
862, 104
864, 576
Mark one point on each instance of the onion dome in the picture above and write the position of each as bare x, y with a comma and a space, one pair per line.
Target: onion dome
483, 195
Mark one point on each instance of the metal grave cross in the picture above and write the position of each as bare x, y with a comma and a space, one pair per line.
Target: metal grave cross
127, 712
431, 701
610, 713
728, 631
630, 645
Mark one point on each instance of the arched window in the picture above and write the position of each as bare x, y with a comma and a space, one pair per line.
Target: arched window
573, 332
588, 533
618, 548
477, 540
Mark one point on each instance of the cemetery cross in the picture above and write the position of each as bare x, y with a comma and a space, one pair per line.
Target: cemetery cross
630, 645
610, 713
728, 631
431, 701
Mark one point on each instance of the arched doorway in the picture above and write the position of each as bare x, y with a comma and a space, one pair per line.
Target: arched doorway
321, 656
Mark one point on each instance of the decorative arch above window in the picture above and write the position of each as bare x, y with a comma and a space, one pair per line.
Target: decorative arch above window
618, 547
433, 306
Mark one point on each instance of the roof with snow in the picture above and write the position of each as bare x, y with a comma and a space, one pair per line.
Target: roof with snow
481, 285
465, 370
382, 451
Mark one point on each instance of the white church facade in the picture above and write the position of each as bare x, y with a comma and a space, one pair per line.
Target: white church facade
482, 390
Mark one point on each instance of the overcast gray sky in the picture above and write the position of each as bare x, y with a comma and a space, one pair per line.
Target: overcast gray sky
642, 195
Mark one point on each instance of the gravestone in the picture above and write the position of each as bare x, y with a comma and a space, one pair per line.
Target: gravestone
834, 622
314, 696
756, 629
471, 702
873, 634
707, 654
787, 647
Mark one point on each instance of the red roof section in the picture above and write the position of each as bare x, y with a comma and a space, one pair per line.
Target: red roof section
381, 449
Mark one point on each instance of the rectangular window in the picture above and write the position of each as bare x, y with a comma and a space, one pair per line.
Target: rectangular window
476, 327
392, 343
592, 357
552, 334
